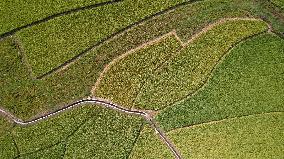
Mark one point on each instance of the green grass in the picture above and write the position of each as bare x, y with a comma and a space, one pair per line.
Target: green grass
279, 3
85, 132
89, 130
247, 82
125, 77
258, 136
50, 44
7, 146
18, 13
108, 134
149, 145
26, 97
52, 131
56, 151
189, 70
264, 10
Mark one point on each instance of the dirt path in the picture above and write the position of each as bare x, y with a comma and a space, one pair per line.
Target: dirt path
159, 39
108, 104
103, 103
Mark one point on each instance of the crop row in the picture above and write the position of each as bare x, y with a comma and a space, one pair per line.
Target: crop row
80, 133
14, 14
248, 81
26, 97
181, 76
50, 44
258, 136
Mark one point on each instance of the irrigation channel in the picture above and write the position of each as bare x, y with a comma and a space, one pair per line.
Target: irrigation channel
104, 103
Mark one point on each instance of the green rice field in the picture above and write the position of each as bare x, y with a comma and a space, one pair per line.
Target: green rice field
142, 79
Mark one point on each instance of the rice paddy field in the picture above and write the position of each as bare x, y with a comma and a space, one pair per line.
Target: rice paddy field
142, 79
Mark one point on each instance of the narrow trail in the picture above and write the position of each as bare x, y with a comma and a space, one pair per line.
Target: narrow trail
108, 104
167, 35
101, 102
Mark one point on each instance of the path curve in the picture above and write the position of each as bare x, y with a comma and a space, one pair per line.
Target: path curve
104, 103
159, 39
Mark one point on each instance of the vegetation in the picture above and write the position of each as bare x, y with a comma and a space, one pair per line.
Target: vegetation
246, 82
19, 13
258, 136
123, 80
37, 37
279, 3
7, 146
150, 146
50, 44
111, 133
76, 81
56, 151
190, 68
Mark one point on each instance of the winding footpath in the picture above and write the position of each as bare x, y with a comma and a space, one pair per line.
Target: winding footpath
103, 103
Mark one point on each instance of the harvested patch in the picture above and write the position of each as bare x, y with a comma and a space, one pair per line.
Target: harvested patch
189, 70
149, 145
122, 79
247, 82
258, 136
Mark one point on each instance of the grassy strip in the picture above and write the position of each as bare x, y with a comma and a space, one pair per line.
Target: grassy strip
247, 82
52, 43
15, 14
189, 70
123, 79
259, 136
87, 131
7, 146
150, 146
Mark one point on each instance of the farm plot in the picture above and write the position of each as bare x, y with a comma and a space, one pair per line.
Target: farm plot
138, 55
122, 79
52, 43
16, 14
76, 79
7, 146
257, 136
150, 146
187, 71
182, 75
100, 132
247, 82
279, 3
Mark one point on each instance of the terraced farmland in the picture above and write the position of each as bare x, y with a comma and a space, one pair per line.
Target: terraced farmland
142, 79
